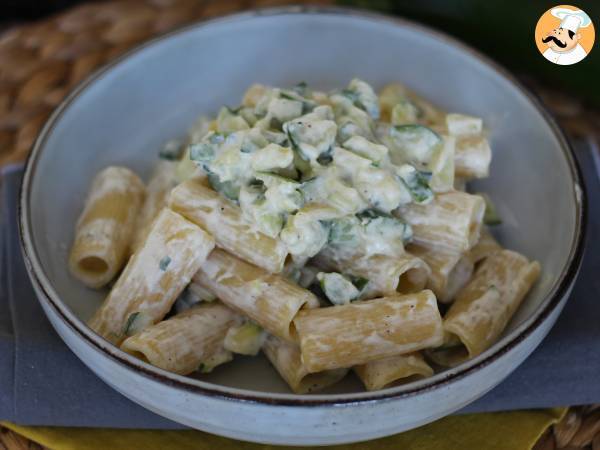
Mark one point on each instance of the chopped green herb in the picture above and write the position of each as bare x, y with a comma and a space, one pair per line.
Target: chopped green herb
417, 183
359, 282
228, 188
171, 151
129, 324
164, 263
325, 158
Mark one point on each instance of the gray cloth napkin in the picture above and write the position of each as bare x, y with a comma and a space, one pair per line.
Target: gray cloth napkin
43, 383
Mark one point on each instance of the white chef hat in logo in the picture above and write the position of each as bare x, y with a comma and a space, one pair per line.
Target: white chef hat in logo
571, 19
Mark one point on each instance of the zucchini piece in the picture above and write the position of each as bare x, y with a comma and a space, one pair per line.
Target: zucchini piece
414, 144
338, 289
245, 339
228, 121
464, 125
404, 112
417, 183
136, 322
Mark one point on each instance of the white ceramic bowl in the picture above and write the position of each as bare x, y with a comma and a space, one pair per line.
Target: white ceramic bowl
128, 109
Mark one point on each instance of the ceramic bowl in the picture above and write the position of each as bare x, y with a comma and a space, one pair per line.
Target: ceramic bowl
123, 114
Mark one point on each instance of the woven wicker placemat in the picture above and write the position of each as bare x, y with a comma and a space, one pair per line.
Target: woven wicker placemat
41, 62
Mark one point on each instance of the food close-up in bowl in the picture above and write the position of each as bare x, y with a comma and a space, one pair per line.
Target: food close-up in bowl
310, 226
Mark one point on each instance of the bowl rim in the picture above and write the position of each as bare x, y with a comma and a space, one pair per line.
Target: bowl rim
552, 300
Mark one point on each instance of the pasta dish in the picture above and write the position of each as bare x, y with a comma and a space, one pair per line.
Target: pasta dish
331, 231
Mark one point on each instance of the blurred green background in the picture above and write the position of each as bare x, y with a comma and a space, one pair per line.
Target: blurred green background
504, 30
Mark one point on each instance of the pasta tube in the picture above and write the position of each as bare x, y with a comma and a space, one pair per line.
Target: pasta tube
105, 228
394, 370
403, 273
354, 334
484, 247
472, 157
157, 193
270, 300
153, 277
450, 271
186, 342
223, 220
484, 307
451, 221
285, 357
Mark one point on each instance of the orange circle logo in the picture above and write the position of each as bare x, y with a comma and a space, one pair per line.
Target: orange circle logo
565, 35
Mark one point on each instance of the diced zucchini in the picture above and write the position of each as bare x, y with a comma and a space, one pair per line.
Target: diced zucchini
301, 95
384, 231
363, 96
275, 137
404, 112
416, 182
253, 94
442, 166
307, 231
342, 196
284, 109
228, 121
344, 231
136, 322
414, 144
311, 137
229, 189
380, 189
282, 194
361, 146
272, 157
205, 151
348, 163
245, 339
338, 289
248, 115
491, 216
463, 125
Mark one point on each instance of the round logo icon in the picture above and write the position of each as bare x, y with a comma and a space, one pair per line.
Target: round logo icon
564, 35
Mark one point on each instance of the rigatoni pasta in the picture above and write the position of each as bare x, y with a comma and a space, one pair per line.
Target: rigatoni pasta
105, 228
326, 230
394, 370
267, 298
449, 271
452, 221
153, 278
404, 273
287, 360
157, 193
224, 220
349, 335
189, 341
485, 305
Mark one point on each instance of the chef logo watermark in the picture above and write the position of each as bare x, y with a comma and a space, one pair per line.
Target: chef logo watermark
564, 35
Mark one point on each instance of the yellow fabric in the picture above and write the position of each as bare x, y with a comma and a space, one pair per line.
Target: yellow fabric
494, 431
